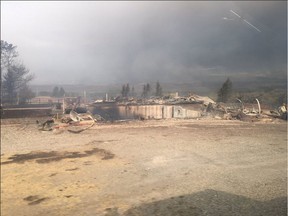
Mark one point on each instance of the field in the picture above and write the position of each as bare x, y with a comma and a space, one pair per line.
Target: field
145, 168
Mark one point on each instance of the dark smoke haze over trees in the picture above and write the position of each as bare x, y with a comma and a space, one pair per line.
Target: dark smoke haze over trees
120, 42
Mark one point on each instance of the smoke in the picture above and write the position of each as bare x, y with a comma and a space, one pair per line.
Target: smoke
116, 42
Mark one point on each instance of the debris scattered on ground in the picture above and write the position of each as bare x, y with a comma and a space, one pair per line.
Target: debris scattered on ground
74, 122
240, 112
77, 122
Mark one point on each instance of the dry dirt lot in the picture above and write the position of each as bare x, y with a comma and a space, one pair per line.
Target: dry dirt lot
145, 168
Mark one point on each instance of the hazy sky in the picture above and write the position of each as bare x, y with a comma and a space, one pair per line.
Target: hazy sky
98, 42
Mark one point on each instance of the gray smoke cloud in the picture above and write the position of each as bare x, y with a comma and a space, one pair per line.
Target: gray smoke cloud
116, 42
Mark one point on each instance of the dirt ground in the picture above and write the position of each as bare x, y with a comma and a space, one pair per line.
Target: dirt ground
145, 168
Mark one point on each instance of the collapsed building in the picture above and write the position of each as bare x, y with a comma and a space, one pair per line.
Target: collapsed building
75, 115
193, 106
154, 108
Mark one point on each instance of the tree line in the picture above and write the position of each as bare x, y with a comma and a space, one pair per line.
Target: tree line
223, 94
58, 92
14, 76
15, 79
146, 92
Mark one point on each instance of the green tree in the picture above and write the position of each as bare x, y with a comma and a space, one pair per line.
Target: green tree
123, 90
146, 90
225, 91
158, 89
15, 76
8, 55
127, 90
55, 91
61, 92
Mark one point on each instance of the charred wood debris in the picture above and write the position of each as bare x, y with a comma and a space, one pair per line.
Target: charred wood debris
76, 119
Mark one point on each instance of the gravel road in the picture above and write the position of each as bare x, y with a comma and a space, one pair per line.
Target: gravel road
145, 168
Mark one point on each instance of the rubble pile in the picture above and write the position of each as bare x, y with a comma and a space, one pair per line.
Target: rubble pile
244, 113
193, 106
73, 122
166, 100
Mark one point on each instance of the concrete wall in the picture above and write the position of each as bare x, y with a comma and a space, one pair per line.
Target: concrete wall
143, 111
167, 112
179, 112
193, 114
156, 112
